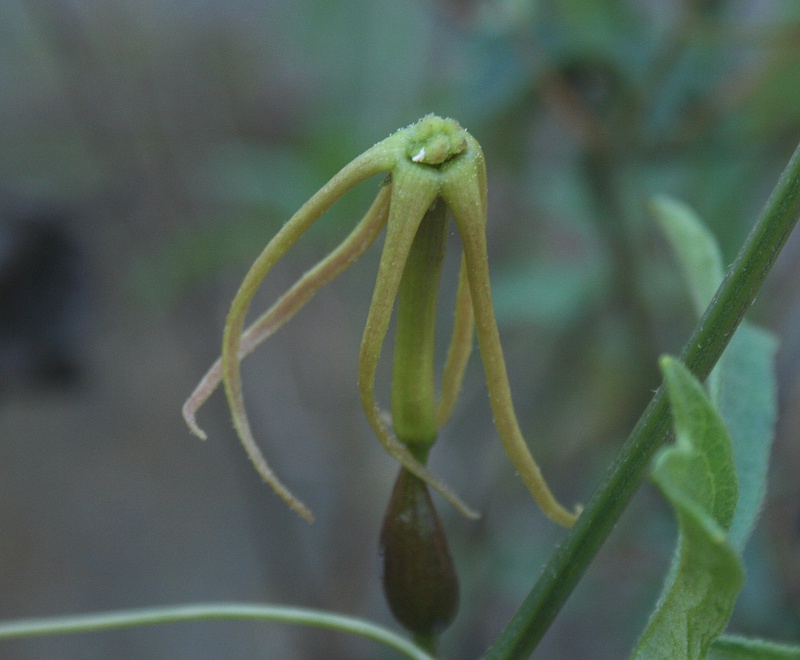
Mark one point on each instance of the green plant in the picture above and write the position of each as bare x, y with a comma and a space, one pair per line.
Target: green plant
433, 165
697, 475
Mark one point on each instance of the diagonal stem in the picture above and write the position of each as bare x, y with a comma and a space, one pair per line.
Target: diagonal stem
624, 476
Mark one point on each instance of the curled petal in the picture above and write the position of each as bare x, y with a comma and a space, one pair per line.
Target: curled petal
371, 162
359, 240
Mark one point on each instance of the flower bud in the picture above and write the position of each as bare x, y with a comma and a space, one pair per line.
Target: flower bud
419, 578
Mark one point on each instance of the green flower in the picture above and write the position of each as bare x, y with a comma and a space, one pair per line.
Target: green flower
432, 165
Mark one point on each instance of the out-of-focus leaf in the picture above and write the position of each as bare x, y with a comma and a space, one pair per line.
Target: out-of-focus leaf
695, 247
729, 647
601, 27
194, 255
52, 164
242, 174
549, 293
250, 192
773, 103
698, 477
746, 395
743, 384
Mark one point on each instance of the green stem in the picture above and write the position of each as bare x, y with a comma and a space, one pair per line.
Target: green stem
413, 386
711, 336
83, 623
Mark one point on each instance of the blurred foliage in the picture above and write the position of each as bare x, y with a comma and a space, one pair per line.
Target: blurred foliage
191, 131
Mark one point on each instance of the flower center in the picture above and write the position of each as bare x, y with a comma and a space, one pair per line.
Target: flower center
434, 140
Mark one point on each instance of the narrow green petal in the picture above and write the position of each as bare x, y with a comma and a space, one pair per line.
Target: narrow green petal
356, 243
413, 191
466, 199
464, 322
459, 351
371, 162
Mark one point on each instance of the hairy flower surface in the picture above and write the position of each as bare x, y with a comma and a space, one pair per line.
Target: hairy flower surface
432, 165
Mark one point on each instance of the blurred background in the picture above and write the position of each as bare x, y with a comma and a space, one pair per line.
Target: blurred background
148, 151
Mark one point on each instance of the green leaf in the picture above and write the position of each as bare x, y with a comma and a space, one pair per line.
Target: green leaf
695, 247
697, 476
700, 436
716, 511
745, 393
743, 384
729, 647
